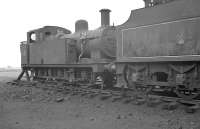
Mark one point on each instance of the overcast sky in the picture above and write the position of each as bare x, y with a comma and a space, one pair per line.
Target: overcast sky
20, 16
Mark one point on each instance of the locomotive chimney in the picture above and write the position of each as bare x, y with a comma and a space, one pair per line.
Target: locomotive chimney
105, 17
81, 25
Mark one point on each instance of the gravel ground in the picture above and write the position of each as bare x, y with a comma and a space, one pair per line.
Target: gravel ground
32, 108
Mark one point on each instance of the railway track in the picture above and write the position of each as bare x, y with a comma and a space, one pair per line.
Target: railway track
124, 95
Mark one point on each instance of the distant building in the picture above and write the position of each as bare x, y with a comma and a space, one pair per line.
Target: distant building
150, 3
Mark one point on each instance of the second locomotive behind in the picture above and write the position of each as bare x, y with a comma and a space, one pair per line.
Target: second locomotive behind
56, 53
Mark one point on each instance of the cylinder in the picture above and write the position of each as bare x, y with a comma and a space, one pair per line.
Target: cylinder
105, 17
81, 25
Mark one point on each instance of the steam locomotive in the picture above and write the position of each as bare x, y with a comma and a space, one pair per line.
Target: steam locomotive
157, 48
